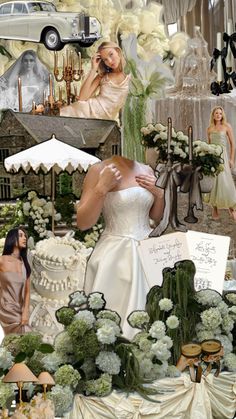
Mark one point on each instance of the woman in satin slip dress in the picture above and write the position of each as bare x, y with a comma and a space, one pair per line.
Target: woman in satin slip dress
106, 77
223, 193
124, 191
15, 283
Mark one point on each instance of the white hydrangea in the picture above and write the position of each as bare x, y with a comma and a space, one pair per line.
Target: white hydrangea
205, 334
6, 358
108, 362
138, 319
208, 297
87, 316
173, 371
227, 323
226, 343
96, 301
165, 304
108, 322
146, 366
106, 335
230, 362
157, 330
172, 322
109, 314
211, 318
78, 298
223, 308
52, 361
161, 351
167, 341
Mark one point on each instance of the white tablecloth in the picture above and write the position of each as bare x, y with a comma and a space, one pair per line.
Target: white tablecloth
212, 398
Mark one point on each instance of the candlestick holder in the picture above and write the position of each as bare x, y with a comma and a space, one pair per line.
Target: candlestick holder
69, 73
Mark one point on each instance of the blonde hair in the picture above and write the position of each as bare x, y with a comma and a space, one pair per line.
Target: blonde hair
102, 68
212, 120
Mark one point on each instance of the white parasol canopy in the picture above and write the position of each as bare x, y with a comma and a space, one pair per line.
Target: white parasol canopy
50, 155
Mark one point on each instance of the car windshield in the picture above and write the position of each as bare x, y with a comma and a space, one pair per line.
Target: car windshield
41, 7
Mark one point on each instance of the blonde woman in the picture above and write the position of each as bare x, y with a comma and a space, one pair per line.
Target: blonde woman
223, 194
106, 87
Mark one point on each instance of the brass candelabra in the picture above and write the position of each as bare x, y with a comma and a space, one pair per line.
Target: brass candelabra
69, 72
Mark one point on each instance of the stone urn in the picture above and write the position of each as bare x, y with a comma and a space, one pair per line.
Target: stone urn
206, 184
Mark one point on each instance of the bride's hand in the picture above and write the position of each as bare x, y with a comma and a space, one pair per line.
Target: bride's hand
148, 182
95, 61
109, 178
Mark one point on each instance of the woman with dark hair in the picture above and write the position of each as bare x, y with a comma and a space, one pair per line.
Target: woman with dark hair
15, 283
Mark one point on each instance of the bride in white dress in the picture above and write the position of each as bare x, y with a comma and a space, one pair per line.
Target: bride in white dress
125, 192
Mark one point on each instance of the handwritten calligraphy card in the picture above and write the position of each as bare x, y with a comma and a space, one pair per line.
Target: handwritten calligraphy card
208, 251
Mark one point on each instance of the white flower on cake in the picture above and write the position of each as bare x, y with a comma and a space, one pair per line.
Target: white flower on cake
108, 362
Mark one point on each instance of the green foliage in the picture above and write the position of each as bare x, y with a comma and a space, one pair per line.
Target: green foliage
13, 215
65, 315
88, 347
65, 206
133, 120
178, 285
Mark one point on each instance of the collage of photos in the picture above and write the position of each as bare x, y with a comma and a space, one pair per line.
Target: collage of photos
118, 209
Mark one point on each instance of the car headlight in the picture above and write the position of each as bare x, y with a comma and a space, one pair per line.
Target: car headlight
93, 21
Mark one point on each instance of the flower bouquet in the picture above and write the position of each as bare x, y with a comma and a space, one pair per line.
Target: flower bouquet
206, 157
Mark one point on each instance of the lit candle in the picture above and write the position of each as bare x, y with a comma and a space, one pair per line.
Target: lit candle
50, 85
55, 60
80, 62
60, 94
190, 143
169, 134
219, 63
44, 97
63, 60
19, 94
229, 58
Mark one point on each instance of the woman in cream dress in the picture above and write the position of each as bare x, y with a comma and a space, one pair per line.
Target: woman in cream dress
107, 77
15, 283
223, 193
125, 192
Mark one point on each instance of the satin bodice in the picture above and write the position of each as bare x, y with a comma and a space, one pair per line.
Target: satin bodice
126, 212
111, 97
12, 286
219, 138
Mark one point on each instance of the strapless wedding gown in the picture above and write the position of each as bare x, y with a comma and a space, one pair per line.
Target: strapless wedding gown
223, 193
106, 105
114, 267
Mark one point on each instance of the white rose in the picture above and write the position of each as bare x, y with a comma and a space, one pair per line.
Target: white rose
178, 44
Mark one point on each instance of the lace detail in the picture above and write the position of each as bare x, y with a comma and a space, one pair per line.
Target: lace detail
126, 212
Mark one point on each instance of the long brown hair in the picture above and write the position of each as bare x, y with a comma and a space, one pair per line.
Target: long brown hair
102, 68
212, 120
12, 240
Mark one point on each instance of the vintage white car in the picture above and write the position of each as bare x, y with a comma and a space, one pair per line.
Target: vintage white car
39, 21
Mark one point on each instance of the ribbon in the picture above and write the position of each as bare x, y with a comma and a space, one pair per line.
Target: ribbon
215, 56
168, 178
230, 40
191, 184
220, 88
228, 77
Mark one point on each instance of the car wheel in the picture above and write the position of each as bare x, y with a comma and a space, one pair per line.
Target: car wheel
52, 40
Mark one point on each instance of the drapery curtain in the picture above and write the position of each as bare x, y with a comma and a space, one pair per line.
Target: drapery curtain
212, 398
174, 9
